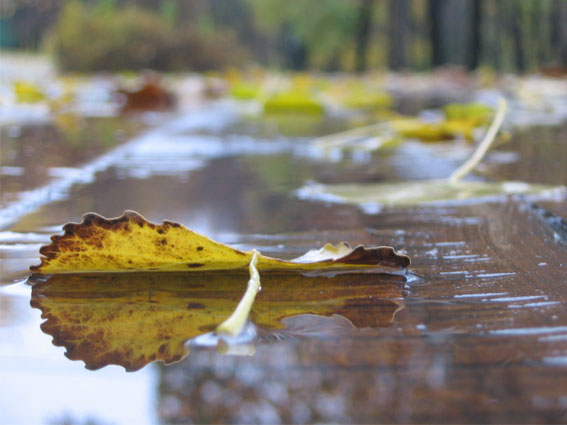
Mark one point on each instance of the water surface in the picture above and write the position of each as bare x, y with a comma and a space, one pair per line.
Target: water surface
478, 333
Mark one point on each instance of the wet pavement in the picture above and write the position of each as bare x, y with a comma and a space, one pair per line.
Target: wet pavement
477, 333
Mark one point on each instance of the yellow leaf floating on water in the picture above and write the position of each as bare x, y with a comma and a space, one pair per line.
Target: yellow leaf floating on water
131, 243
373, 196
28, 92
478, 113
245, 91
368, 100
427, 192
295, 102
449, 129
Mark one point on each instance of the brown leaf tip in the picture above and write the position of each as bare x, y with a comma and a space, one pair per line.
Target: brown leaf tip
86, 229
93, 219
381, 255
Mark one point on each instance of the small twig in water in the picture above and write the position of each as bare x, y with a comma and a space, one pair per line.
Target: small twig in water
484, 145
344, 137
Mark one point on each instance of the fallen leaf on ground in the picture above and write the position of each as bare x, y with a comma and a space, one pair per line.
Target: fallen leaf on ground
28, 92
296, 102
416, 128
368, 100
152, 96
371, 197
131, 243
244, 90
131, 319
423, 192
478, 113
461, 121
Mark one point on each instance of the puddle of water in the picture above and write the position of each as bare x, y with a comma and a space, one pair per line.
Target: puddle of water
391, 365
480, 295
542, 152
290, 126
31, 367
40, 163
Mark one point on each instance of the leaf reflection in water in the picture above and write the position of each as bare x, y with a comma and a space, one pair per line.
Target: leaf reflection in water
132, 319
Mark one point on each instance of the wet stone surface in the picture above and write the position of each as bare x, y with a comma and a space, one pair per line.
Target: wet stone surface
35, 153
480, 337
477, 333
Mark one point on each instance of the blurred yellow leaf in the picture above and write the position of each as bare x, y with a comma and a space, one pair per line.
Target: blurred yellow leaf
415, 128
294, 101
479, 113
28, 92
368, 100
371, 195
244, 91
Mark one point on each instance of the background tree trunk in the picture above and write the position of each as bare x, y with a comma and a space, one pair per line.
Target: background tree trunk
474, 47
516, 19
398, 15
435, 13
559, 33
364, 26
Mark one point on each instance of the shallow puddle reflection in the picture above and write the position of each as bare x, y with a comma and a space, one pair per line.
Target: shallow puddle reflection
132, 319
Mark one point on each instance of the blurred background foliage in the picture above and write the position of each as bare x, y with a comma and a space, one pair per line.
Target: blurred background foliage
325, 35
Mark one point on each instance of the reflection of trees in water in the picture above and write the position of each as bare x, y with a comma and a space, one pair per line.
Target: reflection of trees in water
229, 195
337, 381
540, 158
380, 377
38, 147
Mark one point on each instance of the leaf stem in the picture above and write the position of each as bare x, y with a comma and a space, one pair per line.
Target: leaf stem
345, 136
484, 145
234, 325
